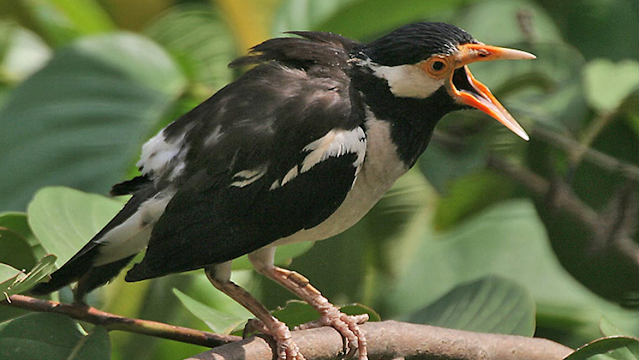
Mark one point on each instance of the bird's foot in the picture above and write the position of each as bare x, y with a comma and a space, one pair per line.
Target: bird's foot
347, 325
286, 348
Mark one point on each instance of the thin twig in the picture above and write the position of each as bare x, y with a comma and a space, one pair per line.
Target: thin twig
541, 187
598, 158
116, 322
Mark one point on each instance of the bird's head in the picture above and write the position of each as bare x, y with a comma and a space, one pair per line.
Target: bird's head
419, 59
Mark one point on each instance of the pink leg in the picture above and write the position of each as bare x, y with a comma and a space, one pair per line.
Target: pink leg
329, 314
286, 348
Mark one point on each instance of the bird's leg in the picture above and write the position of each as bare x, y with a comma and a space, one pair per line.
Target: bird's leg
286, 348
330, 315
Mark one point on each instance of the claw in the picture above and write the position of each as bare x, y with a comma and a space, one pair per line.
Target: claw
346, 325
286, 348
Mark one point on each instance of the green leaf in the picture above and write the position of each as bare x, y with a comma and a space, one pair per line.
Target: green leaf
82, 118
8, 275
363, 18
624, 347
491, 305
218, 321
15, 250
507, 26
97, 345
442, 165
52, 337
469, 195
200, 40
87, 16
305, 14
21, 54
297, 312
609, 329
507, 240
608, 84
17, 222
283, 255
65, 219
62, 21
41, 270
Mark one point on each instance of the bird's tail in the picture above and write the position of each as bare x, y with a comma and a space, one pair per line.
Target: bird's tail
81, 269
108, 252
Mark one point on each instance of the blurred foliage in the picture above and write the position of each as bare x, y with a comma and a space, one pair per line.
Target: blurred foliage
84, 83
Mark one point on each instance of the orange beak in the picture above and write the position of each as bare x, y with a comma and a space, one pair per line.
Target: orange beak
466, 89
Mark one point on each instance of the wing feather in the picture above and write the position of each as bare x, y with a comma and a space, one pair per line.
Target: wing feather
269, 155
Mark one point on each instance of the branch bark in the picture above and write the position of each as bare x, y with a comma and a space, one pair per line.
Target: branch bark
394, 340
116, 322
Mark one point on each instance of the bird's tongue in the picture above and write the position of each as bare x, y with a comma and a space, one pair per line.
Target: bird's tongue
471, 92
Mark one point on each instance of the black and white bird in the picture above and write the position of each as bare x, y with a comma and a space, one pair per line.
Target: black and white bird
299, 148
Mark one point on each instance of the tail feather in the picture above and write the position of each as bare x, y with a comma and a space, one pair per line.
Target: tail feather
81, 267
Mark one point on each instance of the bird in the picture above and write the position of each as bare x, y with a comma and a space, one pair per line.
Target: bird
298, 148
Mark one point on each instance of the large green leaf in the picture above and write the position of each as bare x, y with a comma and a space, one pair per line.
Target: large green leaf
81, 119
220, 322
61, 21
305, 14
200, 40
468, 195
608, 84
21, 53
613, 347
15, 249
65, 219
51, 336
506, 25
18, 223
506, 240
365, 18
491, 304
599, 29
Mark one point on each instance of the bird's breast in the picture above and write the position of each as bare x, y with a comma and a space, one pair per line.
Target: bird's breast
382, 166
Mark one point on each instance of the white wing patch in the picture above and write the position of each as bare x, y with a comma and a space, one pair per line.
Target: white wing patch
247, 177
334, 144
158, 154
133, 235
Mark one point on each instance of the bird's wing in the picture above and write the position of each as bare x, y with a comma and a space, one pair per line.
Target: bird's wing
269, 155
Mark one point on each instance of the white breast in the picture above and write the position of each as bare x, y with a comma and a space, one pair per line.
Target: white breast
380, 169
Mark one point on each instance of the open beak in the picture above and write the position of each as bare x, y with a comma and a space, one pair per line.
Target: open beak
466, 89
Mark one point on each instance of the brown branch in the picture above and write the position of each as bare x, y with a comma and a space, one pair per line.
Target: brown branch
392, 340
386, 340
116, 322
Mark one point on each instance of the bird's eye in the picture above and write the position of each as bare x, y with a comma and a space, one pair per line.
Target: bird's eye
436, 66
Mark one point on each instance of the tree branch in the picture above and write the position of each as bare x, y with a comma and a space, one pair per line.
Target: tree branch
392, 340
386, 340
116, 322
